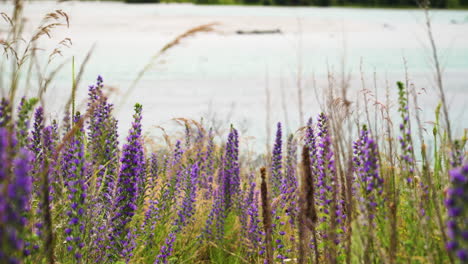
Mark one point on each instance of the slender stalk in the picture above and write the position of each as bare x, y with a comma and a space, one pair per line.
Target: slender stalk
49, 238
308, 213
435, 56
267, 223
73, 86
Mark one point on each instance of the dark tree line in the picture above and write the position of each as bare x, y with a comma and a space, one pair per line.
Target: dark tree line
364, 3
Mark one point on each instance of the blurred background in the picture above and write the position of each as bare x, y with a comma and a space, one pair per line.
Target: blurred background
256, 65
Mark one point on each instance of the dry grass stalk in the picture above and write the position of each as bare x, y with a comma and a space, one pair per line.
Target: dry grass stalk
22, 54
267, 222
307, 190
166, 137
47, 218
76, 81
425, 5
307, 213
176, 41
284, 104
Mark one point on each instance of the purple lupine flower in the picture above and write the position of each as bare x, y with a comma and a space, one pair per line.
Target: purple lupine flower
200, 157
128, 245
173, 168
166, 199
185, 211
247, 197
254, 231
49, 145
151, 216
330, 206
15, 198
36, 146
178, 152
152, 175
406, 143
284, 208
366, 164
279, 226
74, 168
5, 112
22, 124
457, 221
19, 194
325, 166
66, 124
458, 154
129, 183
166, 249
230, 179
35, 142
290, 180
176, 174
207, 169
289, 183
38, 126
276, 163
164, 165
214, 226
112, 151
289, 198
6, 142
103, 140
311, 142
102, 149
187, 206
177, 169
201, 134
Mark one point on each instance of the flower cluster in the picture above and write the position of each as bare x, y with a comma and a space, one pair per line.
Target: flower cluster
457, 223
276, 163
406, 143
230, 178
5, 112
15, 198
367, 169
73, 168
130, 181
103, 140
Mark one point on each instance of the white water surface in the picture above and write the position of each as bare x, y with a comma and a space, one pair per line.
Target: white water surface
225, 75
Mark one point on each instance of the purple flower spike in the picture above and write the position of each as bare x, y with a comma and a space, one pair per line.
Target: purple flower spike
5, 112
130, 181
15, 198
166, 250
103, 141
230, 177
289, 184
73, 169
22, 124
276, 163
406, 142
368, 175
457, 222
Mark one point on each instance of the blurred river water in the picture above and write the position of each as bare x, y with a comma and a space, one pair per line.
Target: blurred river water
224, 76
